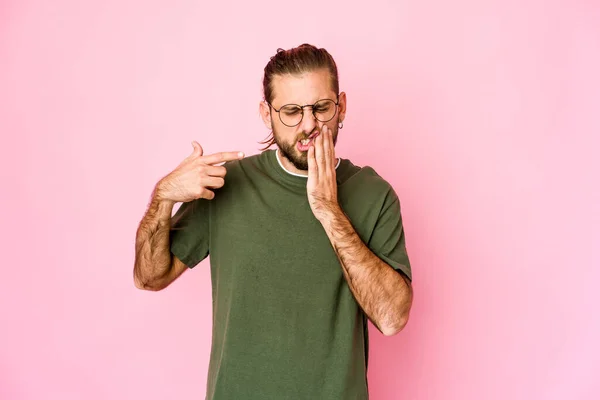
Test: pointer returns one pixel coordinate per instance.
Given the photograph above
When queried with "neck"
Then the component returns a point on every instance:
(288, 166)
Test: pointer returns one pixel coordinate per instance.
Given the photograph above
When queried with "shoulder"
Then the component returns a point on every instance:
(365, 179)
(246, 165)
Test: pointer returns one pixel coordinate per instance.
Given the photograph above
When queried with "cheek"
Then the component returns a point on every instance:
(284, 133)
(332, 126)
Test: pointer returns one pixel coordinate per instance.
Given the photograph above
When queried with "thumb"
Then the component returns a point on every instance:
(197, 149)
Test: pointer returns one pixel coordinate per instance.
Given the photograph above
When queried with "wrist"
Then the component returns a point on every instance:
(160, 195)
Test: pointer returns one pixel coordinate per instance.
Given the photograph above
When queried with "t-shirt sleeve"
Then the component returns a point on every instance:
(189, 234)
(388, 240)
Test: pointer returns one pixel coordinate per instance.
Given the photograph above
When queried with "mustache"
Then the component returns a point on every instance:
(306, 136)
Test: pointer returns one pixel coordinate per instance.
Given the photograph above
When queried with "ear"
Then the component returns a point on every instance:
(265, 114)
(342, 106)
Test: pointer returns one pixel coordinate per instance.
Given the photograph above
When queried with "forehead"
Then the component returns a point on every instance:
(302, 89)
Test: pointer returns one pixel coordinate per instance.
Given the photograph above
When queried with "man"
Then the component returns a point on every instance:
(304, 246)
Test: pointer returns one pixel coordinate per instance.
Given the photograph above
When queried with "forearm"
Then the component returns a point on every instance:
(383, 293)
(152, 252)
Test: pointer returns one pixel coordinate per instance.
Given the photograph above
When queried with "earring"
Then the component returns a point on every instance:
(341, 124)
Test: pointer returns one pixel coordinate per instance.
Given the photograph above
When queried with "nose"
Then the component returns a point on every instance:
(309, 122)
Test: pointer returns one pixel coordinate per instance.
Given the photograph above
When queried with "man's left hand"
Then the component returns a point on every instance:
(322, 186)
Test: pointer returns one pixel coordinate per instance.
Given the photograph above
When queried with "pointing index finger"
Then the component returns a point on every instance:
(222, 157)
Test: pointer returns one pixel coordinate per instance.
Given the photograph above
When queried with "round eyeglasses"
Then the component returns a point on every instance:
(291, 114)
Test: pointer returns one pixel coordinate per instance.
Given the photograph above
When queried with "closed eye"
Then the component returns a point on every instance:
(294, 111)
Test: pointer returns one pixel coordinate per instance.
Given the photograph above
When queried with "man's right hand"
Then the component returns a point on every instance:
(195, 176)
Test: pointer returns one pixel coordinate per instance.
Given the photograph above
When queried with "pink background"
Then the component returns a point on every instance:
(484, 115)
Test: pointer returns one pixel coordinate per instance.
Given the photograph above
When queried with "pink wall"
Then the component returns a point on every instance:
(483, 115)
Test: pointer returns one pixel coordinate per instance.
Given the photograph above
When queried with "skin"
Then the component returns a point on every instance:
(384, 294)
(307, 88)
(155, 267)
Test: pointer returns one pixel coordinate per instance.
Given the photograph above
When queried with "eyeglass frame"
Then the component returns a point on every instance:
(302, 109)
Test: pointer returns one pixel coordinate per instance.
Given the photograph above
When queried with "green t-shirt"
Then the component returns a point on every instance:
(285, 324)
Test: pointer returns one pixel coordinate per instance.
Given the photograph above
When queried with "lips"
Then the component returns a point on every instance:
(312, 136)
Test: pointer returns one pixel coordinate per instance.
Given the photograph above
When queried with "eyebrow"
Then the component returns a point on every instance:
(310, 104)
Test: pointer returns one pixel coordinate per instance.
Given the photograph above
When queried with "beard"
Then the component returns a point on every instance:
(289, 150)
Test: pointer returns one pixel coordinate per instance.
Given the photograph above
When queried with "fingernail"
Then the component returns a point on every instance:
(241, 154)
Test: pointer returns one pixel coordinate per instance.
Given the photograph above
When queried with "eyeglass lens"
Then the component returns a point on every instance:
(323, 110)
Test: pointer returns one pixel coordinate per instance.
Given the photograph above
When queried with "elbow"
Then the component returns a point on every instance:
(137, 281)
(145, 284)
(139, 284)
(399, 318)
(390, 331)
(395, 327)
(396, 321)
